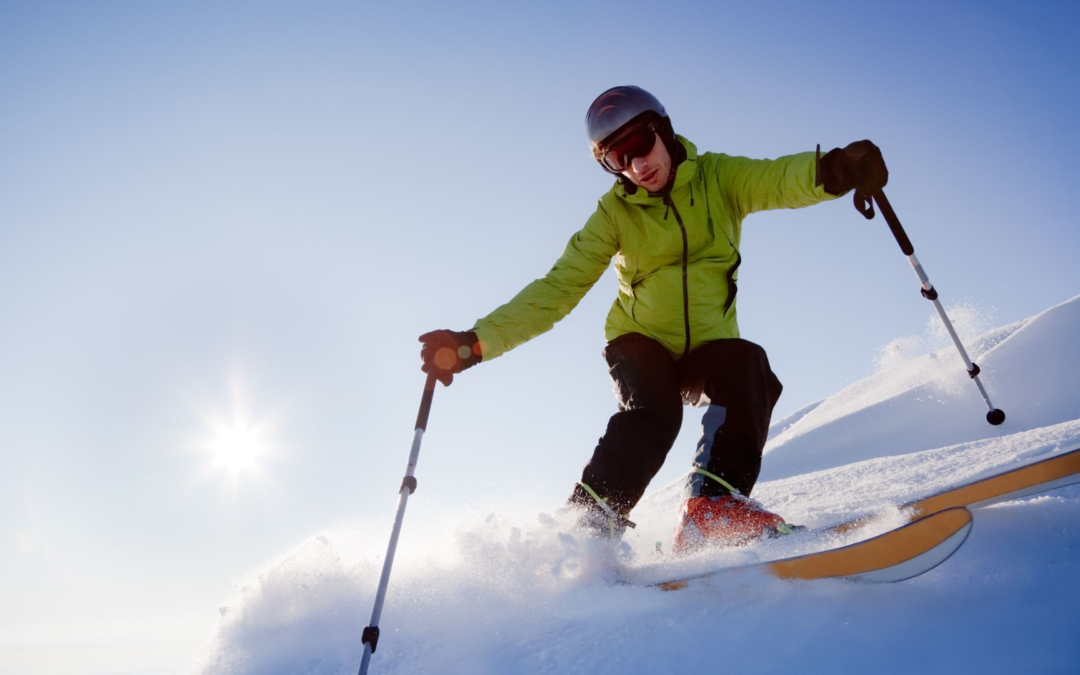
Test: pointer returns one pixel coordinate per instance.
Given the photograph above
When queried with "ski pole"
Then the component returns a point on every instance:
(864, 205)
(408, 486)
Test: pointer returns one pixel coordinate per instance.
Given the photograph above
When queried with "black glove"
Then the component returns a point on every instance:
(448, 352)
(858, 167)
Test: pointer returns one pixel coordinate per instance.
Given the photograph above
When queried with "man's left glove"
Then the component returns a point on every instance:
(858, 167)
(446, 353)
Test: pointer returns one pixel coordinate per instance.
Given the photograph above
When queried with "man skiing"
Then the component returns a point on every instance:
(673, 224)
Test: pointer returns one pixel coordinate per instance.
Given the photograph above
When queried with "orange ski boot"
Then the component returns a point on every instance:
(728, 520)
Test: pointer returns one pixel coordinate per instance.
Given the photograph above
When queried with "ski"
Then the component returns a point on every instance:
(1041, 476)
(903, 553)
(926, 540)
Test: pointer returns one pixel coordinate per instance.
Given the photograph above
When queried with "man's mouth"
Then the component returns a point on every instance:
(649, 177)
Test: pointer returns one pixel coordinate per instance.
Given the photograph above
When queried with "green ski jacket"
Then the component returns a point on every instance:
(676, 256)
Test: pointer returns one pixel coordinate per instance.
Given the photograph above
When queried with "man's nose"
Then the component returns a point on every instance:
(639, 164)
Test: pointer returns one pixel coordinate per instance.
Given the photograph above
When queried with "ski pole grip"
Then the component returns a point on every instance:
(894, 223)
(425, 403)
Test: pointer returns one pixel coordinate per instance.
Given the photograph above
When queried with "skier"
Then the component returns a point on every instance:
(673, 223)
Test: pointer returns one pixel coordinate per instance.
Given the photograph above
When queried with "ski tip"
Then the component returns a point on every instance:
(898, 554)
(956, 523)
(943, 524)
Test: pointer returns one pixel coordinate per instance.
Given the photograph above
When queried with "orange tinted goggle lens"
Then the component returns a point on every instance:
(637, 143)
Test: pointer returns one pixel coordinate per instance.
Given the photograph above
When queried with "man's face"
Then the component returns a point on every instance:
(651, 171)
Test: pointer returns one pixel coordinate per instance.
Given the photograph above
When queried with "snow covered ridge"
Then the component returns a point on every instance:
(1030, 368)
(521, 593)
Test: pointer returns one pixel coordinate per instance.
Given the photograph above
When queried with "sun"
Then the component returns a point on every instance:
(238, 445)
(237, 448)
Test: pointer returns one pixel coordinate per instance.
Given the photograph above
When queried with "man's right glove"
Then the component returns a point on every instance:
(858, 167)
(447, 352)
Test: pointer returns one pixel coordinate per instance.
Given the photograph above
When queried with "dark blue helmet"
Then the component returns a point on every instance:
(617, 107)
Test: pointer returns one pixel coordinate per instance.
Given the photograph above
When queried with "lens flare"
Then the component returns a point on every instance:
(237, 449)
(238, 443)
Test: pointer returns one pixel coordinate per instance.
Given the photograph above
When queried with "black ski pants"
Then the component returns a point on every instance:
(731, 376)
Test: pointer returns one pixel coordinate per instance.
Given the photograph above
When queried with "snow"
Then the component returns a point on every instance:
(496, 592)
(928, 402)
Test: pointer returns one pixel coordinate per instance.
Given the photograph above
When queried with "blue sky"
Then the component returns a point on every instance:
(243, 215)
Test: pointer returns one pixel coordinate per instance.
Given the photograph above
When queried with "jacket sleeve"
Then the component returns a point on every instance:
(547, 300)
(762, 184)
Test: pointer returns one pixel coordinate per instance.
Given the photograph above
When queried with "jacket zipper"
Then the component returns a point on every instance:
(685, 286)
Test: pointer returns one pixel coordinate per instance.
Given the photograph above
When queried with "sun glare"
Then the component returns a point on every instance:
(237, 448)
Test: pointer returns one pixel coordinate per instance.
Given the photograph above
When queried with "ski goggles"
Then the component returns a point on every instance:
(637, 142)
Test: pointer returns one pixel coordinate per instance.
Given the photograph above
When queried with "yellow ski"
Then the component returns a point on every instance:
(1046, 474)
(903, 553)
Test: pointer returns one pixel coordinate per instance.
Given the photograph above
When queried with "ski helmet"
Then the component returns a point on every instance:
(616, 107)
(619, 107)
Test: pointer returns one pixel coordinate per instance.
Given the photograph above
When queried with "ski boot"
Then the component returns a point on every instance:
(596, 515)
(727, 520)
(605, 554)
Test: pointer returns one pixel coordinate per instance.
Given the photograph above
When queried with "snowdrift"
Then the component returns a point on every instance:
(522, 593)
(1029, 368)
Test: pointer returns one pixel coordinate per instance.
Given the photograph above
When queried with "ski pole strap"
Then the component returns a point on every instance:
(727, 486)
(602, 503)
(864, 204)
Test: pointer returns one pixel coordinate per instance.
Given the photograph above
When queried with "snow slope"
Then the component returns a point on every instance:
(498, 592)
